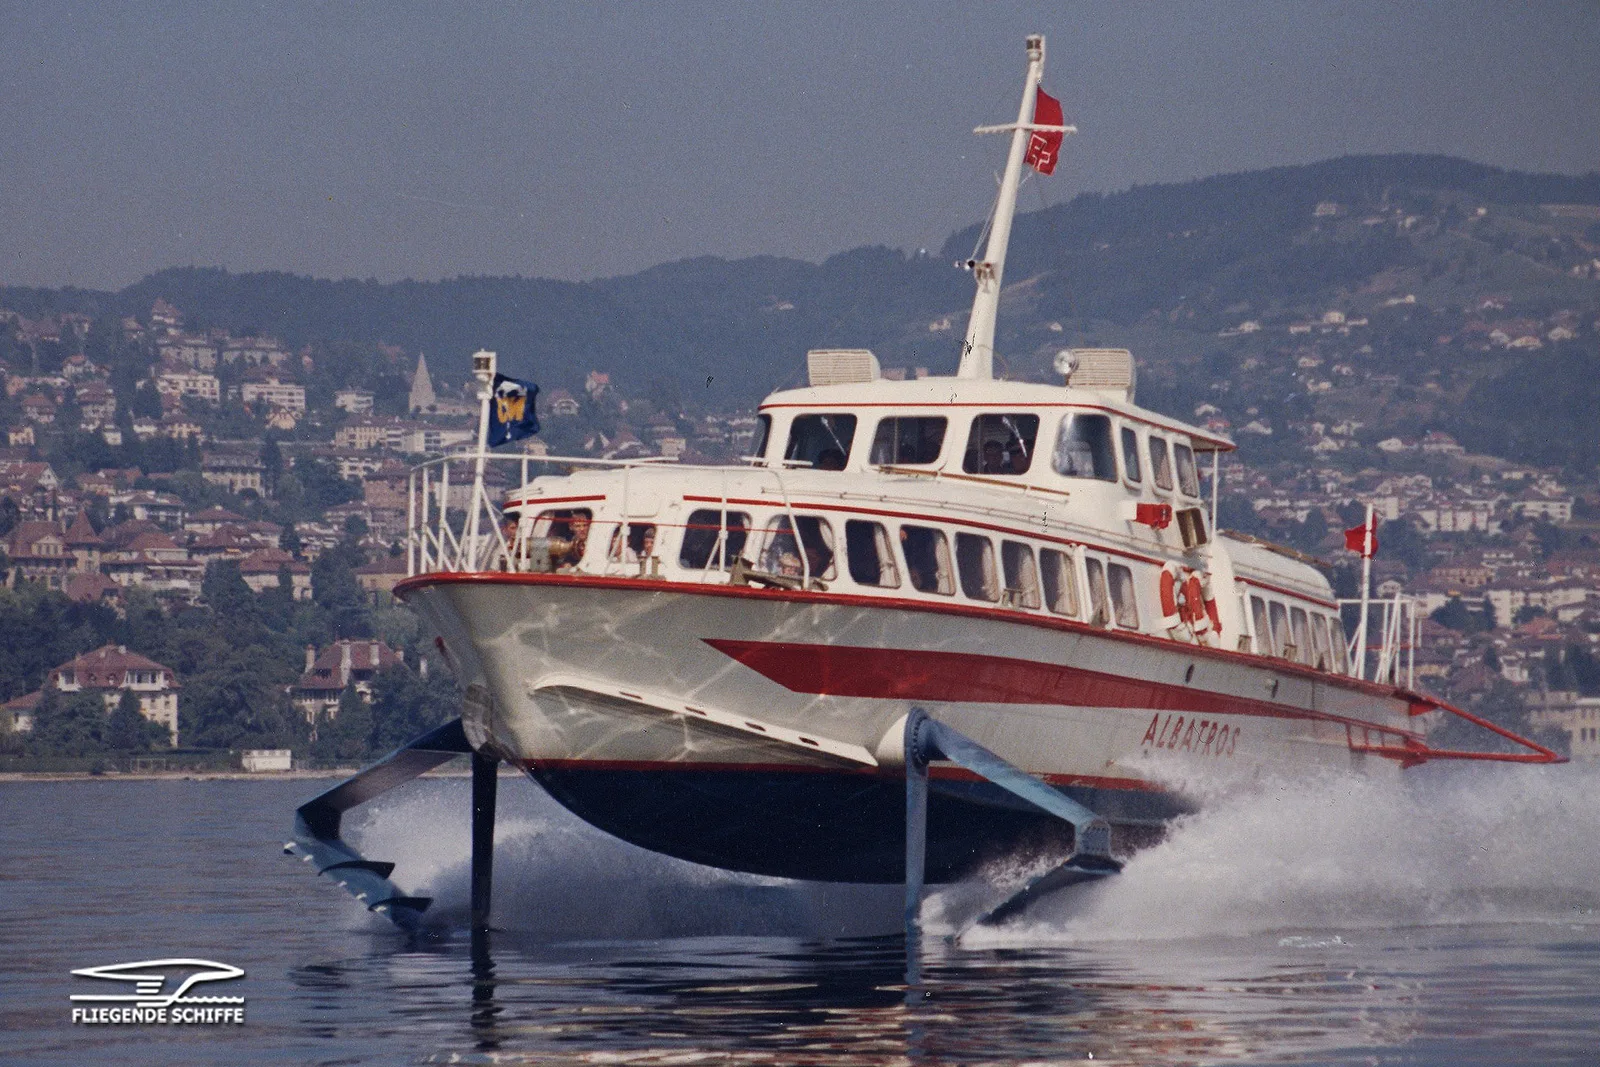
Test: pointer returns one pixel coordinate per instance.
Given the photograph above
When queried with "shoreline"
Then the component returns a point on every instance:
(211, 776)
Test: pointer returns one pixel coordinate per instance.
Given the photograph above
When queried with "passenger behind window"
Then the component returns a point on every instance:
(813, 437)
(1001, 444)
(1083, 447)
(927, 556)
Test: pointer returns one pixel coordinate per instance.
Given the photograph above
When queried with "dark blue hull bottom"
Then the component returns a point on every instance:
(831, 827)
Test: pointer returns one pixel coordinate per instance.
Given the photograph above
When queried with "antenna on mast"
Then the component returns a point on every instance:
(977, 352)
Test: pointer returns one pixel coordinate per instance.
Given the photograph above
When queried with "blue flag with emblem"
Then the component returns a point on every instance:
(511, 415)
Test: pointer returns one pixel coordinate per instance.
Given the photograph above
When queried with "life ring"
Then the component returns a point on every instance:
(1171, 618)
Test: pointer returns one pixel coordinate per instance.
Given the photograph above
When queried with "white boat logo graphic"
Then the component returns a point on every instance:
(150, 978)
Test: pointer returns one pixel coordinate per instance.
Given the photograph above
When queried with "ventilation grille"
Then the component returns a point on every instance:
(1108, 370)
(840, 366)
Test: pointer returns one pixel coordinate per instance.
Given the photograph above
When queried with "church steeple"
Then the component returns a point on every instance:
(422, 398)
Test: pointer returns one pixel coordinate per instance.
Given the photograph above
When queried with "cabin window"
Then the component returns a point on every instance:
(1263, 629)
(975, 565)
(927, 560)
(1188, 479)
(1099, 600)
(869, 555)
(702, 534)
(568, 531)
(1341, 647)
(1160, 463)
(1301, 629)
(763, 434)
(1130, 455)
(1321, 659)
(1282, 639)
(1001, 444)
(1124, 597)
(1021, 576)
(917, 440)
(821, 440)
(1060, 582)
(781, 555)
(1083, 447)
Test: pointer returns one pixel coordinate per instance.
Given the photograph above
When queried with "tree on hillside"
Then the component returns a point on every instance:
(72, 724)
(127, 730)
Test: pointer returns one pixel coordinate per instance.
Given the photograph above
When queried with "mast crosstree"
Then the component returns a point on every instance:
(977, 353)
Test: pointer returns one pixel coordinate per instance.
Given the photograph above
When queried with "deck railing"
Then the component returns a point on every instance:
(1390, 639)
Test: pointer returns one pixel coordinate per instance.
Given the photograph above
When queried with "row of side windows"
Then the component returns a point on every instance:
(1000, 444)
(800, 545)
(1293, 633)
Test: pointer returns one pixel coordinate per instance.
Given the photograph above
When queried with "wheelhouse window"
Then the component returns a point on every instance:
(781, 554)
(908, 440)
(1021, 575)
(1124, 596)
(927, 560)
(1001, 444)
(1160, 463)
(821, 440)
(1060, 582)
(869, 555)
(1131, 469)
(763, 435)
(1083, 447)
(975, 565)
(704, 532)
(1099, 599)
(1263, 628)
(1282, 638)
(1188, 477)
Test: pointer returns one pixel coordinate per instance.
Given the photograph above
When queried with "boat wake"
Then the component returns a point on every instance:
(1437, 846)
(1340, 852)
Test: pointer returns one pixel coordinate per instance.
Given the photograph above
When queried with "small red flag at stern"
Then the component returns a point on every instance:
(1363, 539)
(1044, 146)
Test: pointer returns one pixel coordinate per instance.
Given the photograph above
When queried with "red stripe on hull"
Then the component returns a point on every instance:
(912, 674)
(951, 774)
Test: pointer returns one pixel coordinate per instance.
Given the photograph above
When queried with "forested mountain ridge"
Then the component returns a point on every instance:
(1164, 269)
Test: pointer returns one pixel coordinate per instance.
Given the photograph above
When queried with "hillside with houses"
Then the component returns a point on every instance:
(1416, 334)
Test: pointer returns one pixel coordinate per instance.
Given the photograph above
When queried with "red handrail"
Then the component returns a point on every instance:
(1411, 752)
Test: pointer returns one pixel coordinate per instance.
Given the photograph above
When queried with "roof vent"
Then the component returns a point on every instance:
(841, 366)
(1105, 370)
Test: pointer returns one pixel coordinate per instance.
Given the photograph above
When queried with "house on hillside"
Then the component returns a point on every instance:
(109, 670)
(340, 666)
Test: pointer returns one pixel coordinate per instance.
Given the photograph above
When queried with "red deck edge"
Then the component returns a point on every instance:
(1413, 752)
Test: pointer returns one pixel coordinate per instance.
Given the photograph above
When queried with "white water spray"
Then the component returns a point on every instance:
(1451, 845)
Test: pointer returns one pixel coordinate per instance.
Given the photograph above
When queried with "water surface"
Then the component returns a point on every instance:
(1449, 919)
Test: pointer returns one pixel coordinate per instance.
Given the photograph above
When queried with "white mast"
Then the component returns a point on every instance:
(977, 354)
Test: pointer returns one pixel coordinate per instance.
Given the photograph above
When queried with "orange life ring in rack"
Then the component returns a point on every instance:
(1194, 605)
(1171, 618)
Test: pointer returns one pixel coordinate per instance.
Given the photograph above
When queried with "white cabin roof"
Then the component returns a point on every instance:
(932, 394)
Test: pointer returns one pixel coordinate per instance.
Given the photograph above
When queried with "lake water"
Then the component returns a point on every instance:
(1450, 919)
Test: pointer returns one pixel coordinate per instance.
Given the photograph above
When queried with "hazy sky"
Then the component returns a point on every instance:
(575, 139)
